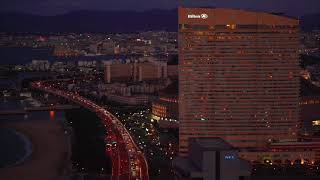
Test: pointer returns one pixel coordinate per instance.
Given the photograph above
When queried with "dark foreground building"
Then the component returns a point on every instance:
(211, 159)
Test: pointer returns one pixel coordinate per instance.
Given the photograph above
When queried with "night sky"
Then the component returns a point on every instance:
(51, 7)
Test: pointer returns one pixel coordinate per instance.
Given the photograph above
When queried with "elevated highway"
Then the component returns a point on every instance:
(128, 162)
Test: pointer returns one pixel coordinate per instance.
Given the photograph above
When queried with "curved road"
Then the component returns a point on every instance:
(128, 162)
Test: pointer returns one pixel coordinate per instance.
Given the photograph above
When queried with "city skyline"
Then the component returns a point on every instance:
(54, 7)
(213, 90)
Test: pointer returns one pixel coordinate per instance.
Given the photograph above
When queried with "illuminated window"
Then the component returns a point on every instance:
(316, 122)
(231, 26)
(203, 119)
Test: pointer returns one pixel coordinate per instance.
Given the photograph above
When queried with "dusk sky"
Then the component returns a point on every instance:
(51, 7)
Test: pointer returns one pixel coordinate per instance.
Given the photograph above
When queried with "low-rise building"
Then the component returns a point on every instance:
(39, 65)
(129, 100)
(211, 159)
(285, 152)
(165, 107)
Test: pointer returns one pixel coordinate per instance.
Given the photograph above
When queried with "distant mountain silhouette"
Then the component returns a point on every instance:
(91, 21)
(107, 21)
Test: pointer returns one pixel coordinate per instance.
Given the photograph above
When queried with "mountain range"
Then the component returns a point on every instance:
(107, 21)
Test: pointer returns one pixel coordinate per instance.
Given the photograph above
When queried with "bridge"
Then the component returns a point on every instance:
(26, 110)
(128, 162)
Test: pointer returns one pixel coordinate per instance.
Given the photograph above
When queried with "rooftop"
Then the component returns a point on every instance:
(211, 144)
(220, 16)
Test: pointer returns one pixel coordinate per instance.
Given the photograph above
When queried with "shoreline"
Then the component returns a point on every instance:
(28, 147)
(50, 152)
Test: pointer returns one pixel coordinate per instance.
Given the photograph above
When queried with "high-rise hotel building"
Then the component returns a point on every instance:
(238, 76)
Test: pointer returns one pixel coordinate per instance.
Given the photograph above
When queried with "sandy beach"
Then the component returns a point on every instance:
(49, 152)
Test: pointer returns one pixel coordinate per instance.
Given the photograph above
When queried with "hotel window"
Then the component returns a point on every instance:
(231, 26)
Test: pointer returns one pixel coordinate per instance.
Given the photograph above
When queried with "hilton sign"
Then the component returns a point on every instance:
(197, 16)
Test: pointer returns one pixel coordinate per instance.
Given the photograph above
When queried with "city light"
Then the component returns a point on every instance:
(136, 93)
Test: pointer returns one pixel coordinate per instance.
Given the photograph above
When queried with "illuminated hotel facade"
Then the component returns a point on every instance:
(238, 77)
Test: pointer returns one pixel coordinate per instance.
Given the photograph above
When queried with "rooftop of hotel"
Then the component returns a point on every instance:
(217, 16)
